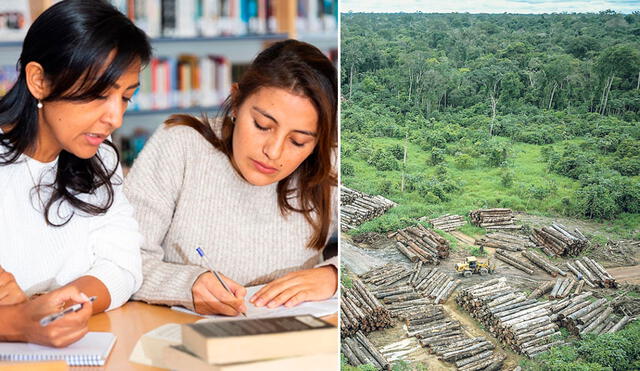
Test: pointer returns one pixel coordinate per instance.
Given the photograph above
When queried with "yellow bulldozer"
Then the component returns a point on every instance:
(471, 265)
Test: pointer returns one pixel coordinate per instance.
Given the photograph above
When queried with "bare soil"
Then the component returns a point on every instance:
(377, 250)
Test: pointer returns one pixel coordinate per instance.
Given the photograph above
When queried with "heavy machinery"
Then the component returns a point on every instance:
(472, 265)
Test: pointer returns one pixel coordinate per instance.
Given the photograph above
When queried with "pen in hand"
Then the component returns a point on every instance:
(215, 273)
(74, 308)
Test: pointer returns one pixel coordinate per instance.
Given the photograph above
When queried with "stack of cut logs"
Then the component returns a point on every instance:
(358, 350)
(436, 285)
(524, 324)
(445, 337)
(506, 241)
(357, 207)
(493, 218)
(360, 310)
(470, 354)
(582, 315)
(543, 264)
(592, 273)
(420, 243)
(562, 288)
(386, 276)
(514, 261)
(557, 240)
(448, 222)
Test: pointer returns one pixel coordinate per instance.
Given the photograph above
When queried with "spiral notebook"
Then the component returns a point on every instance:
(92, 350)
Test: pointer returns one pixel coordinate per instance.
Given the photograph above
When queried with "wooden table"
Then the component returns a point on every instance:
(133, 320)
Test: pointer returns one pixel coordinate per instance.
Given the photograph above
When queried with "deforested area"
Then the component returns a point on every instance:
(508, 149)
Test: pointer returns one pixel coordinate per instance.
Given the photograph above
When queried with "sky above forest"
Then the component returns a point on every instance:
(489, 6)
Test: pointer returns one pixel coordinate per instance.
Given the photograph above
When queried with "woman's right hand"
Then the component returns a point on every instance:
(210, 297)
(61, 332)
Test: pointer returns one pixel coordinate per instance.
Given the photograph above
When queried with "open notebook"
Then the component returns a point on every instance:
(92, 350)
(316, 308)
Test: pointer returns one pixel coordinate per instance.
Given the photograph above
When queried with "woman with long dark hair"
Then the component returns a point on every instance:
(254, 189)
(64, 219)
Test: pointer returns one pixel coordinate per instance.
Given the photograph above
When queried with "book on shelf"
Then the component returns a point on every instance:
(249, 340)
(183, 81)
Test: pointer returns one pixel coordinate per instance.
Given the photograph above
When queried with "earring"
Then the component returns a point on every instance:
(39, 105)
(233, 119)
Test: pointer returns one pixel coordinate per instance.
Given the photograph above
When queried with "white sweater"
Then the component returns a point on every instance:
(43, 258)
(186, 195)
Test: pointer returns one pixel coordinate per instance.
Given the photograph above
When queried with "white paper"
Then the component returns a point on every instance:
(316, 308)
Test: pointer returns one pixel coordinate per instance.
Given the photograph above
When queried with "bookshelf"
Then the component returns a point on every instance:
(184, 42)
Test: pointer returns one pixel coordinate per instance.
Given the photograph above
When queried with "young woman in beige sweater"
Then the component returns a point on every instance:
(254, 189)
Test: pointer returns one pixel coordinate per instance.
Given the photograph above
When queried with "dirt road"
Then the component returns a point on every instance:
(626, 274)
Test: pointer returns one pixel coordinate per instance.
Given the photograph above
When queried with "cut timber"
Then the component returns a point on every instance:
(513, 261)
(542, 263)
(448, 222)
(358, 207)
(493, 218)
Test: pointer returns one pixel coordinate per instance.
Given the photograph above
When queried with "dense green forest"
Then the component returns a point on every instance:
(539, 113)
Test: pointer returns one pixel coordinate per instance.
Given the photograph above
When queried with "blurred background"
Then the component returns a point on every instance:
(200, 47)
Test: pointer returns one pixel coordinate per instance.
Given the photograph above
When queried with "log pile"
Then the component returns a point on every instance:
(523, 324)
(387, 275)
(358, 207)
(543, 264)
(581, 315)
(592, 273)
(436, 285)
(514, 261)
(562, 288)
(506, 241)
(360, 310)
(556, 240)
(358, 350)
(470, 354)
(420, 243)
(448, 222)
(445, 337)
(493, 218)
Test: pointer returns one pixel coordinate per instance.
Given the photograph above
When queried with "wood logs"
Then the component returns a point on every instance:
(493, 218)
(557, 240)
(582, 314)
(448, 222)
(445, 337)
(360, 310)
(358, 207)
(386, 276)
(436, 285)
(360, 351)
(562, 288)
(506, 241)
(421, 244)
(592, 273)
(523, 324)
(514, 262)
(543, 263)
(541, 290)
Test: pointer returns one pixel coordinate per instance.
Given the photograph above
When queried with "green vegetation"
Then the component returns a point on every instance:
(617, 351)
(538, 113)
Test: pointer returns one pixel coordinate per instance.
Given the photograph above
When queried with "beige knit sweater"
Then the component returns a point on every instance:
(186, 195)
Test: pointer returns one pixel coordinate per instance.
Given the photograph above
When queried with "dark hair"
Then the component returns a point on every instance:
(71, 41)
(302, 69)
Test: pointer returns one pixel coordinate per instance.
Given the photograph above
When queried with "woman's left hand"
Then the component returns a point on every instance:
(10, 292)
(297, 287)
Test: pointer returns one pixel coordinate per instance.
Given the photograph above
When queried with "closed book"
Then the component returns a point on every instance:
(249, 340)
(177, 357)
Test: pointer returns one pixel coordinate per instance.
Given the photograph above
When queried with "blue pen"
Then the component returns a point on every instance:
(215, 273)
